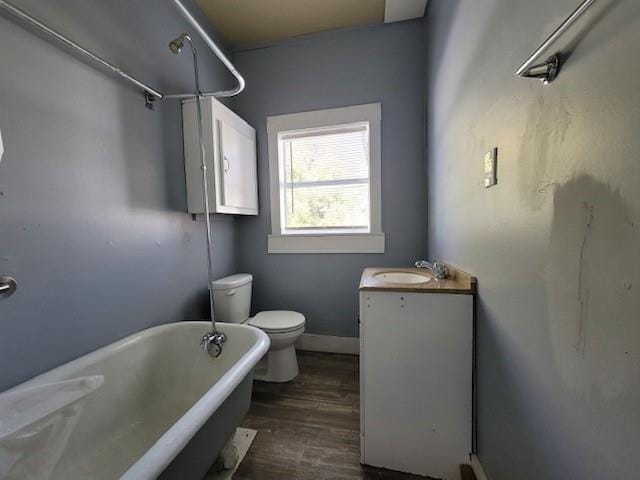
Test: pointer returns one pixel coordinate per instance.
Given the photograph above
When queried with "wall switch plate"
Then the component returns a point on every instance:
(490, 168)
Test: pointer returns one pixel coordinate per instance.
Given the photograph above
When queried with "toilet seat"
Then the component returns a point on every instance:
(278, 321)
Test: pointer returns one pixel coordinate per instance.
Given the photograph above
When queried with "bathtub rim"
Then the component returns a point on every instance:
(172, 441)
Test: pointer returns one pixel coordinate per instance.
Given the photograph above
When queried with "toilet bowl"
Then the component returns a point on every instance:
(283, 328)
(232, 304)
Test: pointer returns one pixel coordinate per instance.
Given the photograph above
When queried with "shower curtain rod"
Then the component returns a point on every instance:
(150, 92)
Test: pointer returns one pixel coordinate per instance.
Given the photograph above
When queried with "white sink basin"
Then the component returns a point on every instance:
(402, 277)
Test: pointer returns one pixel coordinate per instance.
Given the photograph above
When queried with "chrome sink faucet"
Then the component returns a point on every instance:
(439, 270)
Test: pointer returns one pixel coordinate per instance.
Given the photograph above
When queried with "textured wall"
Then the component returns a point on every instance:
(380, 64)
(92, 199)
(555, 243)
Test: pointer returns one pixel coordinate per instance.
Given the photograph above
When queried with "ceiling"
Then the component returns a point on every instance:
(254, 22)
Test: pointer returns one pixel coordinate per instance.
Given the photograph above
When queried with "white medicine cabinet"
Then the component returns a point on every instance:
(230, 152)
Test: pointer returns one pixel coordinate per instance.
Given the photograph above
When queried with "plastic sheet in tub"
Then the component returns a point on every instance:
(36, 423)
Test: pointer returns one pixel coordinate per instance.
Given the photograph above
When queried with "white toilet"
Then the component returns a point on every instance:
(232, 304)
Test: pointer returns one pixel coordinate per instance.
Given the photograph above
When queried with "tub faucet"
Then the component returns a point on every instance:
(439, 270)
(212, 343)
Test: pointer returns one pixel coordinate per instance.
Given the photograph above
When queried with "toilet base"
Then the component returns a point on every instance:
(278, 366)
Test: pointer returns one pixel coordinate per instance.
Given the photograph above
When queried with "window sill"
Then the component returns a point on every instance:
(349, 243)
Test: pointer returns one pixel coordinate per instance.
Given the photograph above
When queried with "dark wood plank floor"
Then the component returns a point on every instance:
(309, 428)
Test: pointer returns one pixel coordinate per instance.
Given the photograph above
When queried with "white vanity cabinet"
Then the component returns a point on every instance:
(230, 152)
(416, 356)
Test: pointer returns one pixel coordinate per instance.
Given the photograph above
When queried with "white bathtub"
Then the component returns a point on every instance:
(165, 408)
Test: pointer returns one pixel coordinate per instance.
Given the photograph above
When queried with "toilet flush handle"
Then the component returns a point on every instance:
(230, 293)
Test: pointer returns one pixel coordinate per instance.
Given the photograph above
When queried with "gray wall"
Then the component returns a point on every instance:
(555, 243)
(378, 64)
(92, 199)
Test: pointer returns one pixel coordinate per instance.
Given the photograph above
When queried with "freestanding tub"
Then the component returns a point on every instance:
(165, 408)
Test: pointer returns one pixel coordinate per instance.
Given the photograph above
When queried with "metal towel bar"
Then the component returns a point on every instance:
(150, 92)
(547, 71)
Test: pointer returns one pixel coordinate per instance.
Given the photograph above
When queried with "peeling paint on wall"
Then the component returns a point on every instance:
(544, 134)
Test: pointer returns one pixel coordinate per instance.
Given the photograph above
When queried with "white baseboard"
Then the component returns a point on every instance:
(478, 471)
(329, 344)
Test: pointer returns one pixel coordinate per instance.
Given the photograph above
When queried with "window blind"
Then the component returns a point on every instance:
(326, 179)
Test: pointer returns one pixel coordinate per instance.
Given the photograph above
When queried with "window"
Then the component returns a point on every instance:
(325, 181)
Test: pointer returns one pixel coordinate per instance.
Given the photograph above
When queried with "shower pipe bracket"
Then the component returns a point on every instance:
(548, 70)
(150, 94)
(148, 100)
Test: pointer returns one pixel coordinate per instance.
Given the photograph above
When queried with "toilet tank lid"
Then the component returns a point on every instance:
(232, 281)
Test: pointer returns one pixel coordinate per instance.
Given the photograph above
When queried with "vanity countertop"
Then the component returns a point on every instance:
(458, 282)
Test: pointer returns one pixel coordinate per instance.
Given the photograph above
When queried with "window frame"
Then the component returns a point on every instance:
(330, 242)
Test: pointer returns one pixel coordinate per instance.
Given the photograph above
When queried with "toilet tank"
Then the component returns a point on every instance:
(232, 298)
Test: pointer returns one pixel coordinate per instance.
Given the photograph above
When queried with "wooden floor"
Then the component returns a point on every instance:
(309, 428)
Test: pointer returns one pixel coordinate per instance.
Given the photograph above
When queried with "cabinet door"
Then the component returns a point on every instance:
(230, 151)
(238, 168)
(416, 363)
